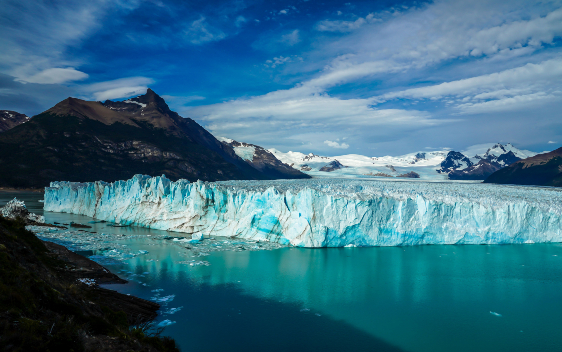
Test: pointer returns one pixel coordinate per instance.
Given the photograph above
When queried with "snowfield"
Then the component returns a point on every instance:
(425, 163)
(323, 212)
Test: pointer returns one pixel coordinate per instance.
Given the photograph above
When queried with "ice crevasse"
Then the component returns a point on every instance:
(322, 213)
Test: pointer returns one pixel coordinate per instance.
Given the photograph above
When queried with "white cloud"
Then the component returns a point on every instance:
(344, 26)
(117, 93)
(297, 116)
(526, 75)
(336, 144)
(511, 89)
(281, 60)
(119, 88)
(55, 76)
(35, 34)
(284, 12)
(506, 104)
(291, 38)
(551, 142)
(201, 32)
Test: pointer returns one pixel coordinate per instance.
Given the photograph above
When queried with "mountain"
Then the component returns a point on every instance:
(332, 166)
(542, 169)
(423, 163)
(79, 140)
(263, 160)
(476, 163)
(10, 119)
(495, 158)
(454, 161)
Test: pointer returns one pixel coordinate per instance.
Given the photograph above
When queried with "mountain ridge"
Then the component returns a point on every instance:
(78, 140)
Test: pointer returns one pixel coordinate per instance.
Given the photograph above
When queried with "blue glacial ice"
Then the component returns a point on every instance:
(322, 212)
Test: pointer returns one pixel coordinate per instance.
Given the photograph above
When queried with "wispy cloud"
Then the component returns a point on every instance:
(344, 26)
(200, 32)
(35, 34)
(119, 88)
(291, 38)
(55, 76)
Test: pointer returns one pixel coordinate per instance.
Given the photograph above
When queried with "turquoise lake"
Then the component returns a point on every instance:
(419, 299)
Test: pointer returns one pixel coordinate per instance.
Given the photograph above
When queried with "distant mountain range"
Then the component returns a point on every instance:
(79, 140)
(443, 164)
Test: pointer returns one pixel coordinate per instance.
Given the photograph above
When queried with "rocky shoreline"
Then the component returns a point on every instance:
(50, 298)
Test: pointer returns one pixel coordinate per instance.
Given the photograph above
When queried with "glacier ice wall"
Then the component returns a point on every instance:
(323, 213)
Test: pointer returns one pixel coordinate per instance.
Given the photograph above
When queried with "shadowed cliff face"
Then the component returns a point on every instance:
(80, 140)
(542, 169)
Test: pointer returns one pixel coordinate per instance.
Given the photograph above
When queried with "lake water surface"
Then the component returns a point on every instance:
(425, 298)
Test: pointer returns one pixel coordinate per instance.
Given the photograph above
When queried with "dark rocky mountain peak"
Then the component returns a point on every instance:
(10, 119)
(453, 161)
(78, 140)
(332, 166)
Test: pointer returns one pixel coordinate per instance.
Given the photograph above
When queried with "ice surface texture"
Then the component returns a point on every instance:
(323, 213)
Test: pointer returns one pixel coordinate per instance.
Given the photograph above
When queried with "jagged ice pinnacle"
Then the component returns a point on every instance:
(322, 212)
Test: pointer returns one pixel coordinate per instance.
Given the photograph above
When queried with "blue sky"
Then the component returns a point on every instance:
(329, 77)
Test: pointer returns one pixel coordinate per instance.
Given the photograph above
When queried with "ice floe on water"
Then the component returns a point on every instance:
(320, 213)
(107, 247)
(165, 322)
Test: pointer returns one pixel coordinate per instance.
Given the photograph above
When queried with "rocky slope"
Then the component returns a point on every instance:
(263, 160)
(10, 119)
(542, 169)
(81, 140)
(49, 301)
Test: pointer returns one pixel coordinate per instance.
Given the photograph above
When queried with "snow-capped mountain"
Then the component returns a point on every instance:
(10, 119)
(454, 161)
(476, 163)
(262, 160)
(495, 158)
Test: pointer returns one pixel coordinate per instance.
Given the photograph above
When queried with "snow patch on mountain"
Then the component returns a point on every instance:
(135, 102)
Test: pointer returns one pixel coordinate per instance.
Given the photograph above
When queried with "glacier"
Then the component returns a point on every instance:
(322, 212)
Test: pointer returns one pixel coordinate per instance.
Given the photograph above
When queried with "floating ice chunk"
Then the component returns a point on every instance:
(172, 310)
(164, 299)
(197, 236)
(165, 323)
(496, 314)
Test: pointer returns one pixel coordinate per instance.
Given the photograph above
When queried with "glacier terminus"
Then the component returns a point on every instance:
(322, 212)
